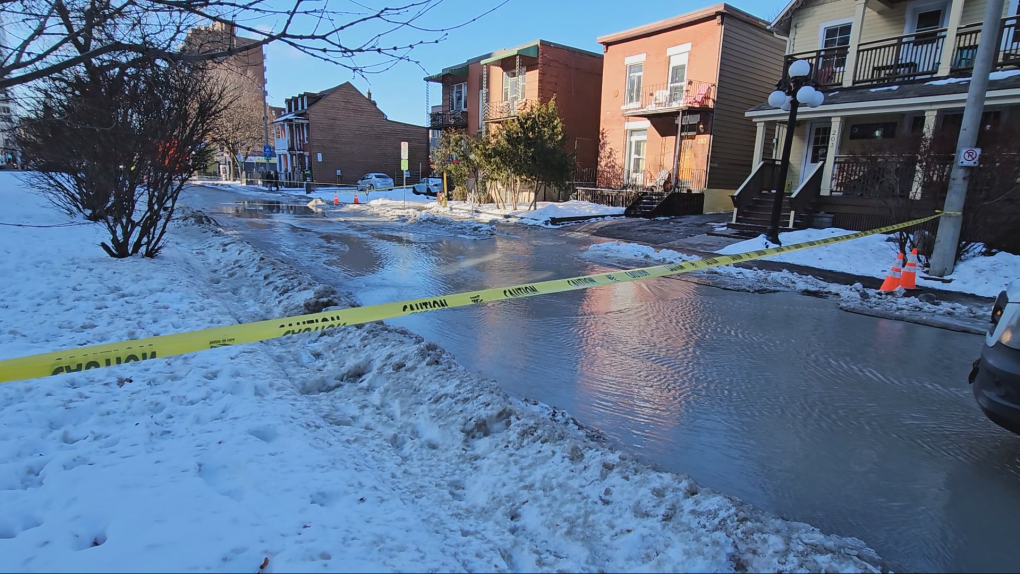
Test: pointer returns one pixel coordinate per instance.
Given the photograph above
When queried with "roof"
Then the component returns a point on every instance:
(682, 20)
(530, 49)
(781, 24)
(940, 87)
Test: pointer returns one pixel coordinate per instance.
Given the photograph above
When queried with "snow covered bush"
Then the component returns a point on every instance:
(117, 146)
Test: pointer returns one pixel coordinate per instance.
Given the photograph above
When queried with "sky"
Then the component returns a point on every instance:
(400, 91)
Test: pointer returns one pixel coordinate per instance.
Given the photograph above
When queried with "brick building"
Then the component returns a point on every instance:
(674, 94)
(340, 134)
(494, 87)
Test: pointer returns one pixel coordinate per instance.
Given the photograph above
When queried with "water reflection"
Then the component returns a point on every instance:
(262, 209)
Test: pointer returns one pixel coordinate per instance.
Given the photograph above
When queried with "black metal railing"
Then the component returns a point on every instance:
(806, 194)
(901, 58)
(448, 119)
(891, 176)
(672, 97)
(496, 111)
(763, 178)
(968, 37)
(607, 197)
(827, 65)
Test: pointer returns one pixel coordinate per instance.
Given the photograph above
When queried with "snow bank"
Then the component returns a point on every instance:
(873, 256)
(1000, 75)
(350, 450)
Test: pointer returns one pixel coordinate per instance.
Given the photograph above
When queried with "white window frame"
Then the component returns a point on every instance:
(808, 144)
(676, 50)
(629, 155)
(674, 97)
(833, 24)
(626, 84)
(462, 86)
(918, 6)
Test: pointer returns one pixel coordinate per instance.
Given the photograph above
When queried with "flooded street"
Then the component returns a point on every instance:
(860, 426)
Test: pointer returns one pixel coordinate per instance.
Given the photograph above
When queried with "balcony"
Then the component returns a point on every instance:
(827, 66)
(450, 119)
(499, 111)
(967, 38)
(910, 57)
(900, 58)
(659, 99)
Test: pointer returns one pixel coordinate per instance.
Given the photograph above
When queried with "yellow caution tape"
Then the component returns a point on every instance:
(110, 354)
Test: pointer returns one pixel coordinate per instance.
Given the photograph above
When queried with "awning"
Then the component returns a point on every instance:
(530, 50)
(459, 70)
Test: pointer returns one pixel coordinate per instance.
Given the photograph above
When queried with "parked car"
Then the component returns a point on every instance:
(431, 186)
(374, 181)
(995, 378)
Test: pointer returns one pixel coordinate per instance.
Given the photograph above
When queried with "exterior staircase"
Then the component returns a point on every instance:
(645, 204)
(755, 216)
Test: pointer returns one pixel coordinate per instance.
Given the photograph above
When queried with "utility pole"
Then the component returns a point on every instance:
(943, 257)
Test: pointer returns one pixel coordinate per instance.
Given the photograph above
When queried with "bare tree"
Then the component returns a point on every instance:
(46, 37)
(118, 146)
(610, 172)
(239, 130)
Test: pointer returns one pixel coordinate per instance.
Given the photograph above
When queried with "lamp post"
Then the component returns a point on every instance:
(792, 91)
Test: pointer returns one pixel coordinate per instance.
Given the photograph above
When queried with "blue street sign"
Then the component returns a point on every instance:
(267, 150)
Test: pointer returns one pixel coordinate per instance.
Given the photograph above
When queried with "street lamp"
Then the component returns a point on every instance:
(793, 91)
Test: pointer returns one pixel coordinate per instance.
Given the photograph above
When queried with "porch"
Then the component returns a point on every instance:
(864, 169)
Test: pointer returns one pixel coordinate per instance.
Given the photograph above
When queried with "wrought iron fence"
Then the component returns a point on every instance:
(448, 119)
(900, 58)
(495, 111)
(668, 97)
(607, 197)
(827, 65)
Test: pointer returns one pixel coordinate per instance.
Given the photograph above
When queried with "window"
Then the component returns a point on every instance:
(819, 144)
(953, 122)
(513, 87)
(677, 77)
(917, 125)
(930, 20)
(875, 131)
(458, 97)
(635, 166)
(835, 37)
(634, 73)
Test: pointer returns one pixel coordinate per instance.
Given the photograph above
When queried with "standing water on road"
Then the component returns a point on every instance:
(863, 427)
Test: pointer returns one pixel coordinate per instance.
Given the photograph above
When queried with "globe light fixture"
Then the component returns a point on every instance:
(777, 98)
(800, 68)
(806, 95)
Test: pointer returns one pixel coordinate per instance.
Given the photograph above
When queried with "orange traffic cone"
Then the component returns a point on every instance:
(909, 279)
(355, 198)
(892, 280)
(336, 198)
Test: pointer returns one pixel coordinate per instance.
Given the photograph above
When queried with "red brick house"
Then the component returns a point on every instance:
(338, 135)
(674, 94)
(491, 88)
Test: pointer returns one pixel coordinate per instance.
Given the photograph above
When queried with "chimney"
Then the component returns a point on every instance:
(369, 96)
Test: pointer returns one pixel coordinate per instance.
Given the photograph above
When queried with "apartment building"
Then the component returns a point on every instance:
(483, 91)
(338, 135)
(674, 93)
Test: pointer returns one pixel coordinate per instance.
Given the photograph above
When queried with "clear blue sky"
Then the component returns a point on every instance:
(400, 92)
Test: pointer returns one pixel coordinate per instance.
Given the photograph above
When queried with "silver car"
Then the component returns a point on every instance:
(373, 181)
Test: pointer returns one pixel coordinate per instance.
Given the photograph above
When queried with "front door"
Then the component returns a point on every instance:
(817, 147)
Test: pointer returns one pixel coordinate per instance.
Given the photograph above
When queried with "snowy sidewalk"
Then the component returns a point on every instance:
(359, 449)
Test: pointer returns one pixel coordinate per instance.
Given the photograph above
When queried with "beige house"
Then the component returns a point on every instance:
(889, 69)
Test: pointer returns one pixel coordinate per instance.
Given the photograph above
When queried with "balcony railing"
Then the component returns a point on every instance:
(664, 98)
(827, 65)
(448, 119)
(900, 58)
(891, 176)
(967, 38)
(498, 111)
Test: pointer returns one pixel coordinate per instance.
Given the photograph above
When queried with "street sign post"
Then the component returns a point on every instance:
(403, 167)
(403, 150)
(267, 151)
(969, 156)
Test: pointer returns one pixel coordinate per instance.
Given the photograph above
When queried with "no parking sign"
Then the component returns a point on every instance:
(969, 156)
